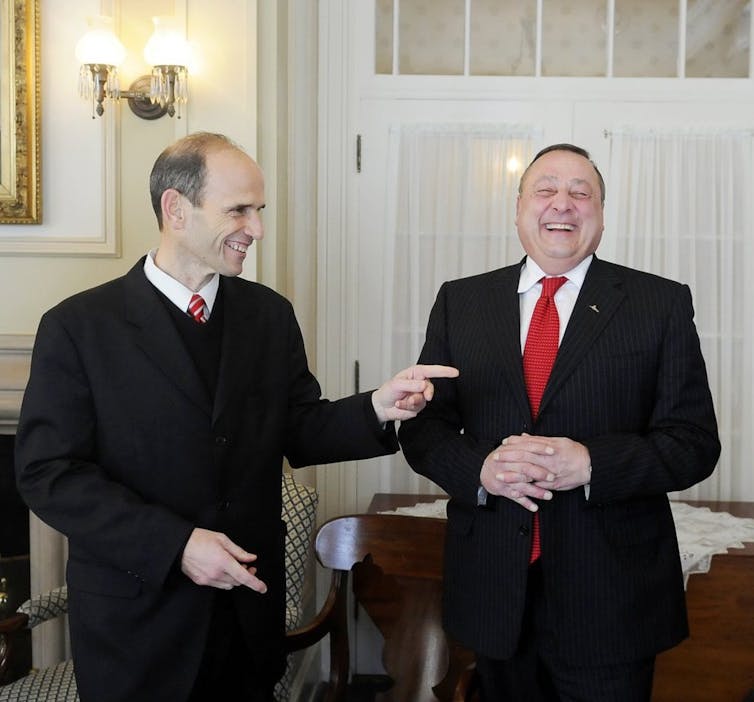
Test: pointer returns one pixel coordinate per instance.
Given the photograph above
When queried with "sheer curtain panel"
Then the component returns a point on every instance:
(451, 207)
(679, 204)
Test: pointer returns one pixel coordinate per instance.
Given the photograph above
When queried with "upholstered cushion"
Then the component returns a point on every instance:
(47, 606)
(299, 512)
(55, 684)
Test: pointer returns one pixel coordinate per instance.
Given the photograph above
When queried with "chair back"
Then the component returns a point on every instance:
(396, 562)
(403, 546)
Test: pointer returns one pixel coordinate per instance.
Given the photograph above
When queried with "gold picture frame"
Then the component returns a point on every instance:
(20, 163)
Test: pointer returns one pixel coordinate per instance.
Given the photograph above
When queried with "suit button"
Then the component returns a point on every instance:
(220, 441)
(523, 530)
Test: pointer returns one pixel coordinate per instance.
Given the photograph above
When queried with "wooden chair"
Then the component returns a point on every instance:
(57, 683)
(396, 563)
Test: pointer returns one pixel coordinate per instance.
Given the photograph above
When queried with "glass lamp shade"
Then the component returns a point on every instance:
(100, 45)
(167, 45)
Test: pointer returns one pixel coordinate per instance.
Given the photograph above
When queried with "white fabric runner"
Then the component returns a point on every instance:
(701, 532)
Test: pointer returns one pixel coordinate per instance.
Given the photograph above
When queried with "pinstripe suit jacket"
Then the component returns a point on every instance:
(629, 382)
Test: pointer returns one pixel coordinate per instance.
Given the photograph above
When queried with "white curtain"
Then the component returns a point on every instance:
(680, 205)
(450, 213)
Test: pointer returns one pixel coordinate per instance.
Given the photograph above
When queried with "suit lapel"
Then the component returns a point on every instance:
(599, 298)
(156, 335)
(501, 320)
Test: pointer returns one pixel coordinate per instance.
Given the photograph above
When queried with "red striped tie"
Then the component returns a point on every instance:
(198, 309)
(539, 357)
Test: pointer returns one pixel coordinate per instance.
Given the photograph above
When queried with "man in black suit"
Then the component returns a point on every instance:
(155, 444)
(626, 416)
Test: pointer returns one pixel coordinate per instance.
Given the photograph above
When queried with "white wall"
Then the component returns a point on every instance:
(222, 98)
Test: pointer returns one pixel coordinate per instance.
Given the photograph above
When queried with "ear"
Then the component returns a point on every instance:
(173, 206)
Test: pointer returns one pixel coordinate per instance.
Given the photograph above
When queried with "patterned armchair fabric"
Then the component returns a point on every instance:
(57, 684)
(299, 512)
(45, 607)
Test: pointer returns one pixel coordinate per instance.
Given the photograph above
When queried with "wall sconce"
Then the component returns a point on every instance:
(100, 53)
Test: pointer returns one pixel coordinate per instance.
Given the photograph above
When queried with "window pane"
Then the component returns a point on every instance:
(431, 36)
(383, 23)
(717, 39)
(573, 38)
(646, 38)
(503, 37)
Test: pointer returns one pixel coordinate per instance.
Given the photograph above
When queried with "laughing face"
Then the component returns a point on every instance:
(559, 211)
(215, 235)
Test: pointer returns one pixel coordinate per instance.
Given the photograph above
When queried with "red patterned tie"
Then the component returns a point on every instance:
(197, 309)
(539, 357)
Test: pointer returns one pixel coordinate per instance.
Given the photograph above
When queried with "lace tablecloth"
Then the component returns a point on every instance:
(701, 532)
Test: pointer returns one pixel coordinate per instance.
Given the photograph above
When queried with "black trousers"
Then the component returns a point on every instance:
(534, 674)
(227, 670)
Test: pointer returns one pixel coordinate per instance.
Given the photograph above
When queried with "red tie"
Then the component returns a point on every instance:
(539, 357)
(197, 309)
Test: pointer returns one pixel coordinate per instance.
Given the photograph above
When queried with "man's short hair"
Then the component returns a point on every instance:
(182, 166)
(573, 149)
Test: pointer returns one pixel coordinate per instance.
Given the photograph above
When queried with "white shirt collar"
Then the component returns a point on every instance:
(531, 273)
(177, 292)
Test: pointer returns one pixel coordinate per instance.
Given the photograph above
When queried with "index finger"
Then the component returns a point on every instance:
(243, 577)
(435, 371)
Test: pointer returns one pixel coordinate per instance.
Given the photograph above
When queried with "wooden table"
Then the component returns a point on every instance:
(716, 664)
(717, 661)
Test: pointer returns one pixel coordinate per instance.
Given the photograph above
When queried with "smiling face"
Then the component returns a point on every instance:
(214, 235)
(559, 212)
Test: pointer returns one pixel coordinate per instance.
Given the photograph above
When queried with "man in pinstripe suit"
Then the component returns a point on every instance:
(626, 416)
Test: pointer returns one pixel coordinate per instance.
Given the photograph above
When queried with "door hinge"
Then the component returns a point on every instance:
(358, 153)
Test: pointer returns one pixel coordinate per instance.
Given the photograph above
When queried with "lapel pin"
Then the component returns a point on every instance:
(594, 308)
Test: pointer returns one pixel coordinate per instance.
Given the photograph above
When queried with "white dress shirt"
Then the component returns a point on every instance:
(529, 290)
(177, 292)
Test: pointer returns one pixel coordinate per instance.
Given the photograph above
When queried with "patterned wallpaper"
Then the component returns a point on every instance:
(503, 34)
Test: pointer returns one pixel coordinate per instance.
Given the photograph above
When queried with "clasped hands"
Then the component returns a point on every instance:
(526, 468)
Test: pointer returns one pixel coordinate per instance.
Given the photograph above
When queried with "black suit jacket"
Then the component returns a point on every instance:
(630, 383)
(120, 448)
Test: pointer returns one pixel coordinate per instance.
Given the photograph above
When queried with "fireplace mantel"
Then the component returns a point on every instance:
(15, 361)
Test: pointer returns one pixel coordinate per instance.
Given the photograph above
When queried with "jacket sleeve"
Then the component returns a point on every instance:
(679, 446)
(58, 473)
